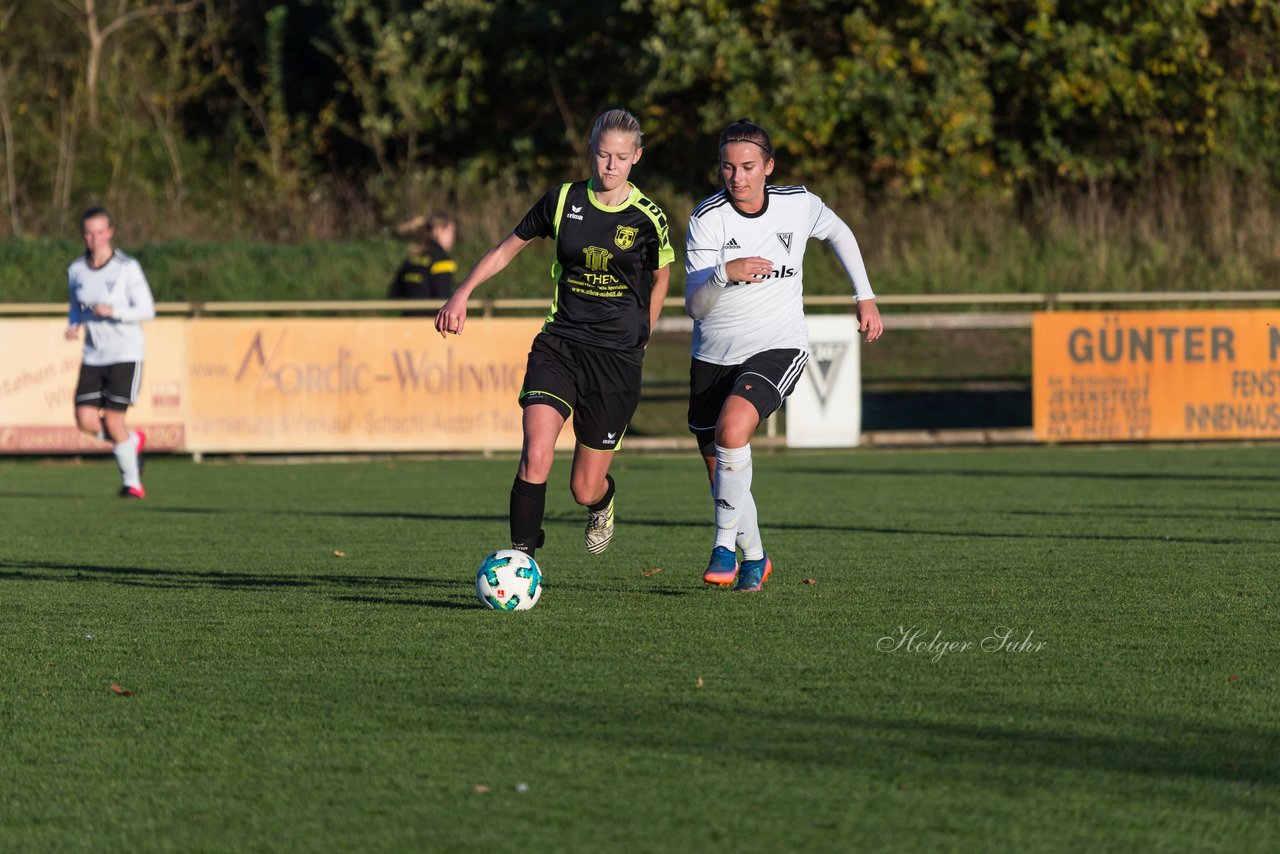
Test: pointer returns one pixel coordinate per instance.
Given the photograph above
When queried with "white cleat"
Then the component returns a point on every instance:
(599, 529)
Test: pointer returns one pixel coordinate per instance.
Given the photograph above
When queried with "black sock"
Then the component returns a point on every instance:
(528, 505)
(608, 495)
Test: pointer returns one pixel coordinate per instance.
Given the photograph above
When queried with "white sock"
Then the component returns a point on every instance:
(127, 460)
(749, 531)
(732, 491)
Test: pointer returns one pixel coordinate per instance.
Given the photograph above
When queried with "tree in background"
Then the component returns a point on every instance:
(313, 118)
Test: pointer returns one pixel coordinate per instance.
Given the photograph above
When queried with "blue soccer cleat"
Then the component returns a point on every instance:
(722, 568)
(754, 574)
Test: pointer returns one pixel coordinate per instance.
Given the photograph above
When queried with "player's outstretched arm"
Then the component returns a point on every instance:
(452, 316)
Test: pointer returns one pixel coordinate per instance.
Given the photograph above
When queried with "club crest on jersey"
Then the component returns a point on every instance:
(625, 237)
(784, 237)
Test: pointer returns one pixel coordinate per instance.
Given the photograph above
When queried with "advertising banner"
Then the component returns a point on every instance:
(825, 410)
(38, 373)
(344, 384)
(1108, 376)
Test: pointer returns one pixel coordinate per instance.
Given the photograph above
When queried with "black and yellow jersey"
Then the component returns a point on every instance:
(605, 258)
(425, 274)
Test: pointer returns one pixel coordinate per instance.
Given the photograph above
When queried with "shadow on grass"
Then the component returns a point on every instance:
(785, 526)
(1080, 741)
(359, 589)
(1061, 474)
(191, 579)
(416, 603)
(343, 514)
(64, 495)
(1151, 514)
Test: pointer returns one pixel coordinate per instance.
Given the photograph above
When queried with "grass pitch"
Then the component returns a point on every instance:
(1039, 649)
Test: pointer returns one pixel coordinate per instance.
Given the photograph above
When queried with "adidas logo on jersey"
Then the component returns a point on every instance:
(732, 244)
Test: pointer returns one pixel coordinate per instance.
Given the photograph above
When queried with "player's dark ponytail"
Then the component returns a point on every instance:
(745, 130)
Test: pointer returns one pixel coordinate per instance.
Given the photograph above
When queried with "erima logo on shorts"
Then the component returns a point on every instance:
(610, 439)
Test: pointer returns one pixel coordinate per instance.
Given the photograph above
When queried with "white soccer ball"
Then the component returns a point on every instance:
(508, 580)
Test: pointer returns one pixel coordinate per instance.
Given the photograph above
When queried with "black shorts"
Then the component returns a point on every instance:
(599, 387)
(109, 386)
(764, 380)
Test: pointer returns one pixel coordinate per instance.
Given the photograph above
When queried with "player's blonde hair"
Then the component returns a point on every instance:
(615, 120)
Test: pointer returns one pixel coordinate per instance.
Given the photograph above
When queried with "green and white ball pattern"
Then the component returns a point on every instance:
(508, 580)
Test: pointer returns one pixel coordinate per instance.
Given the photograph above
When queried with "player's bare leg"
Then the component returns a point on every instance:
(89, 420)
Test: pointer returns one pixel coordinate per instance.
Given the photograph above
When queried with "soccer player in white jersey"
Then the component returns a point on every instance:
(743, 288)
(110, 297)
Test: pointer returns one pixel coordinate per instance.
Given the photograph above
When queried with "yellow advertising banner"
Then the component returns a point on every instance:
(348, 384)
(38, 373)
(1106, 376)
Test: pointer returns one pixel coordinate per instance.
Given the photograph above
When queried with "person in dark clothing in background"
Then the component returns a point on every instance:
(428, 271)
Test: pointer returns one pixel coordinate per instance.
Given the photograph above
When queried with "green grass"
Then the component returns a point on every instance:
(285, 698)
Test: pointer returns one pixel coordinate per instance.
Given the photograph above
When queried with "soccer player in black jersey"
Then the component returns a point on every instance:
(611, 269)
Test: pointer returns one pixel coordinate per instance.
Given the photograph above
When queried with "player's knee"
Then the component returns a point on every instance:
(738, 421)
(88, 420)
(535, 463)
(733, 433)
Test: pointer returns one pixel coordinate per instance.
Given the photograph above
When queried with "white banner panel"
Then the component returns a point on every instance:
(825, 410)
(39, 369)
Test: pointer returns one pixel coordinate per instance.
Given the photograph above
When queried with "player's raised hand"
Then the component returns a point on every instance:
(753, 269)
(452, 316)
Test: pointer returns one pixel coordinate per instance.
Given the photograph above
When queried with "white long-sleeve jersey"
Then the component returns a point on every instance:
(736, 320)
(121, 284)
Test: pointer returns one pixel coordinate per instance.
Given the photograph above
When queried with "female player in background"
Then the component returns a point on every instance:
(109, 300)
(744, 290)
(612, 266)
